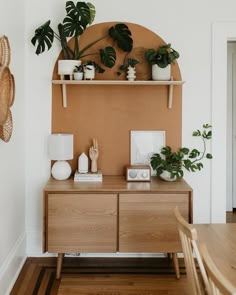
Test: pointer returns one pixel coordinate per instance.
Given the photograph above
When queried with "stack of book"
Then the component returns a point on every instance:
(88, 177)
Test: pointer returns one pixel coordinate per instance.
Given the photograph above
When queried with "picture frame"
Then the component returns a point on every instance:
(145, 143)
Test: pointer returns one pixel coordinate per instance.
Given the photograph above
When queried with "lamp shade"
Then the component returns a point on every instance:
(60, 146)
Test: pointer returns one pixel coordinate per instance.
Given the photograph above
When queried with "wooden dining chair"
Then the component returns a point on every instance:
(198, 281)
(218, 284)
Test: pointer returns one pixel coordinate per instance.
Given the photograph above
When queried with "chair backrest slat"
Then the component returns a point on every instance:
(218, 283)
(188, 236)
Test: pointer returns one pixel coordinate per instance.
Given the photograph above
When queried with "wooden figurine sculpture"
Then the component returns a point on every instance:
(93, 154)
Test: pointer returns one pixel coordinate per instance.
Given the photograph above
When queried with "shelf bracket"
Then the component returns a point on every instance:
(64, 95)
(170, 97)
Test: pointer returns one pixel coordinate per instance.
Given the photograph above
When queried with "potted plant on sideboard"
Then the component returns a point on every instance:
(78, 17)
(161, 60)
(170, 165)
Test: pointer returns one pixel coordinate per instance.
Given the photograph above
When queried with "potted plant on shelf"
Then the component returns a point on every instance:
(129, 67)
(78, 72)
(89, 70)
(161, 60)
(78, 17)
(170, 165)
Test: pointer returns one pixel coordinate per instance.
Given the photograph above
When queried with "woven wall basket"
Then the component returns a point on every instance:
(7, 90)
(6, 128)
(5, 52)
(6, 93)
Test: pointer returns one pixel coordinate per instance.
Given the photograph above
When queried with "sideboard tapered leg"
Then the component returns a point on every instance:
(59, 265)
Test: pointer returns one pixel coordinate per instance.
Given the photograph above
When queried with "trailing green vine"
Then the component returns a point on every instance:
(183, 158)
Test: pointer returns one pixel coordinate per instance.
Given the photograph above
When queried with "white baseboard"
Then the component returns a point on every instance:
(12, 265)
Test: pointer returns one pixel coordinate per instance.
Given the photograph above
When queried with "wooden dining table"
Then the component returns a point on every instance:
(220, 240)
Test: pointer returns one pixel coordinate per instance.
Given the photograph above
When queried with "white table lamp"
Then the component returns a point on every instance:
(60, 148)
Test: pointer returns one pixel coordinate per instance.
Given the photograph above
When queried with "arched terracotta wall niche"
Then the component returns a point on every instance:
(108, 113)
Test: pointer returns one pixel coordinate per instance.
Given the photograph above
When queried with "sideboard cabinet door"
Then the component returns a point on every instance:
(147, 222)
(81, 223)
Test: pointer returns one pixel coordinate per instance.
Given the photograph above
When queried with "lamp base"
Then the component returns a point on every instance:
(61, 170)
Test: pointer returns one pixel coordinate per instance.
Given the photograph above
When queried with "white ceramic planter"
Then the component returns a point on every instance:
(89, 72)
(161, 74)
(66, 67)
(78, 75)
(166, 176)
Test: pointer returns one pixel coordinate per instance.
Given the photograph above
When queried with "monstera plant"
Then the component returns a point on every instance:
(78, 17)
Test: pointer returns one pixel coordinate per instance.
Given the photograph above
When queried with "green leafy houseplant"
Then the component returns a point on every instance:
(176, 162)
(78, 69)
(163, 56)
(78, 17)
(96, 66)
(132, 62)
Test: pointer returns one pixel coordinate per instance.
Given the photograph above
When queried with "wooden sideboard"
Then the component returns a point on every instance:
(114, 216)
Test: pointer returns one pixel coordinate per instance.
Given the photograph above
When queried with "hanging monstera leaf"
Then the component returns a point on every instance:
(43, 38)
(108, 56)
(122, 35)
(77, 19)
(92, 12)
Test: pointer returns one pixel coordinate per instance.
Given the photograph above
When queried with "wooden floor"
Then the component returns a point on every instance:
(101, 276)
(231, 216)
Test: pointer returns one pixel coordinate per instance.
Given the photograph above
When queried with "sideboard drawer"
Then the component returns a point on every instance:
(81, 223)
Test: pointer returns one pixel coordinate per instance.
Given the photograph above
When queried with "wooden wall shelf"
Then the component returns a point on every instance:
(170, 84)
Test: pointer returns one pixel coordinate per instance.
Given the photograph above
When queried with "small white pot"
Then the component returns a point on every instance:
(78, 75)
(167, 176)
(66, 67)
(161, 74)
(89, 72)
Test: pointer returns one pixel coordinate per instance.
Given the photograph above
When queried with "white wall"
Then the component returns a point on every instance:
(12, 154)
(186, 24)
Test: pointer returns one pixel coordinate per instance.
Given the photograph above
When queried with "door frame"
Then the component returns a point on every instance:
(222, 32)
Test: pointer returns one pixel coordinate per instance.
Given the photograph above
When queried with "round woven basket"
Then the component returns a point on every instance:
(6, 93)
(12, 89)
(5, 52)
(6, 128)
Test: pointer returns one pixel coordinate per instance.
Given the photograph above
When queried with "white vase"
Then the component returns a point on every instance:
(167, 176)
(161, 74)
(131, 73)
(67, 66)
(78, 75)
(89, 72)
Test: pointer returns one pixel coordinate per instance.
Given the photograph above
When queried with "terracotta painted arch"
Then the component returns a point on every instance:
(109, 113)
